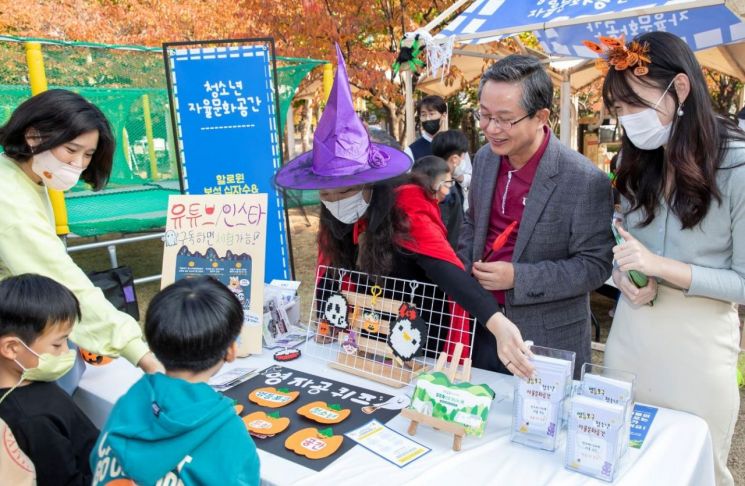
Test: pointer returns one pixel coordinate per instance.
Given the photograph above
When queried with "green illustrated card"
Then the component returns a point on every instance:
(461, 403)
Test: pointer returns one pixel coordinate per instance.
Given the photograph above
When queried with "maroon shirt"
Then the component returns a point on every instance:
(510, 196)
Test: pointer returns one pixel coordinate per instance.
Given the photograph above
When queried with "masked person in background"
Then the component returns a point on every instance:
(51, 140)
(36, 316)
(452, 146)
(379, 224)
(432, 112)
(681, 175)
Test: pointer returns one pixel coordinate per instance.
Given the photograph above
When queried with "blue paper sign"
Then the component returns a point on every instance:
(225, 112)
(641, 421)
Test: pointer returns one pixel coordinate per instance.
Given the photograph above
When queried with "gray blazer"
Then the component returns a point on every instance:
(563, 250)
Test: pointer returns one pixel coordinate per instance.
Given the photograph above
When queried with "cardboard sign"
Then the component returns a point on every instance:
(223, 237)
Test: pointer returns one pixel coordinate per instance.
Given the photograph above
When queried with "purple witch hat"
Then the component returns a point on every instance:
(342, 154)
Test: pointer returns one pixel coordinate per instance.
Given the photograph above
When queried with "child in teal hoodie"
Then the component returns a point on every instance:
(173, 428)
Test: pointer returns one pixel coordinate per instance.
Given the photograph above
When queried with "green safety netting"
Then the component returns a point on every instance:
(126, 82)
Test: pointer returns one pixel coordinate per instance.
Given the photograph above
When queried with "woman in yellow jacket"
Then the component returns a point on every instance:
(50, 141)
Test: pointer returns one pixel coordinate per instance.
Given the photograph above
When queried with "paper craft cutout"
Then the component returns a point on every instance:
(271, 397)
(371, 321)
(313, 443)
(263, 425)
(335, 311)
(408, 334)
(238, 408)
(324, 413)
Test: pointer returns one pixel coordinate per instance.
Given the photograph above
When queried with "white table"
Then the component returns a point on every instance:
(677, 449)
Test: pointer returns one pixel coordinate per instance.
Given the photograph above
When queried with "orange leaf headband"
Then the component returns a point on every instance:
(614, 53)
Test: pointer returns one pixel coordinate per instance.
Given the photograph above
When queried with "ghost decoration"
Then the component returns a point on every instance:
(408, 333)
(170, 238)
(335, 311)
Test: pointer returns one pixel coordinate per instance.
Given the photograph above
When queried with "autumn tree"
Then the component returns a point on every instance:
(368, 32)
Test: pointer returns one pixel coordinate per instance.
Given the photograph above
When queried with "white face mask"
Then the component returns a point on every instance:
(53, 172)
(348, 210)
(644, 129)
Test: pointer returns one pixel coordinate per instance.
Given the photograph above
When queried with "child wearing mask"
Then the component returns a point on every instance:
(452, 146)
(37, 315)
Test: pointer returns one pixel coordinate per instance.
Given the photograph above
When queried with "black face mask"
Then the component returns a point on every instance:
(431, 126)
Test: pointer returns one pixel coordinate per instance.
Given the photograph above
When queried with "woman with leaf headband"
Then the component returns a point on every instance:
(681, 176)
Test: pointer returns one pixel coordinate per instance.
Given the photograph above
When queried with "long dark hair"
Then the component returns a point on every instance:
(60, 116)
(698, 140)
(386, 225)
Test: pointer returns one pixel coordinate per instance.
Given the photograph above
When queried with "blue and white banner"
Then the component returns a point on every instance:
(225, 112)
(701, 27)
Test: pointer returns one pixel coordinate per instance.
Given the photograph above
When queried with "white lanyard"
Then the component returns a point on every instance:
(506, 189)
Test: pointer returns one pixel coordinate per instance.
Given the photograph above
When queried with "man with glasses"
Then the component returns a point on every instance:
(537, 232)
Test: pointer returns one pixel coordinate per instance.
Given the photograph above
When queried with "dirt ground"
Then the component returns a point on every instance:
(145, 259)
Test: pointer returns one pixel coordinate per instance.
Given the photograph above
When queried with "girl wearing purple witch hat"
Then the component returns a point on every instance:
(378, 221)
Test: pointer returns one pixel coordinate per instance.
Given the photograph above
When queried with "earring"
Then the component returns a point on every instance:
(680, 110)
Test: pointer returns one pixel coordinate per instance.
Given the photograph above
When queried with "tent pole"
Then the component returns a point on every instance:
(566, 110)
(290, 123)
(409, 108)
(445, 14)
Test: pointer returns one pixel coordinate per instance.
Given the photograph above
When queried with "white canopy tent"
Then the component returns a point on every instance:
(713, 27)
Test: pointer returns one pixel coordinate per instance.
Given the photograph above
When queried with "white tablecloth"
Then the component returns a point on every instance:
(677, 449)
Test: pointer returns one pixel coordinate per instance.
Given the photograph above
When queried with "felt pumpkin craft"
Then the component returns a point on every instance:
(264, 424)
(271, 397)
(324, 413)
(313, 443)
(408, 334)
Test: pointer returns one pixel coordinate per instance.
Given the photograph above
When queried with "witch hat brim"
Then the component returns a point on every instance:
(342, 154)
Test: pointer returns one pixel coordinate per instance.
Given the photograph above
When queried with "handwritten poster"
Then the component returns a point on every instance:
(223, 237)
(225, 115)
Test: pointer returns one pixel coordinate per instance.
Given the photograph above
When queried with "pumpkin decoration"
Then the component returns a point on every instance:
(371, 321)
(263, 425)
(313, 443)
(93, 358)
(323, 328)
(271, 397)
(323, 413)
